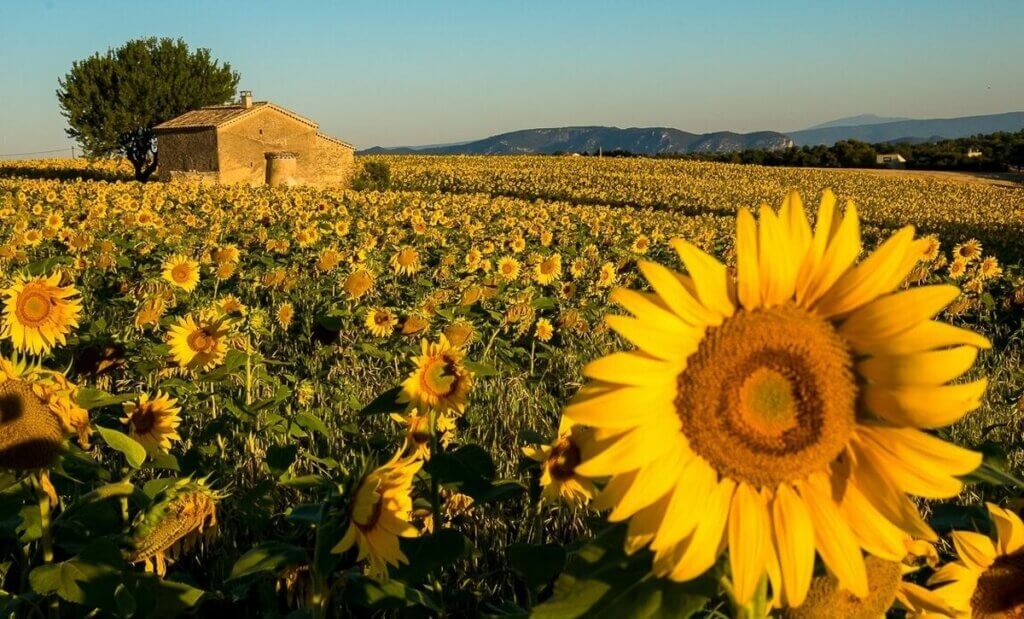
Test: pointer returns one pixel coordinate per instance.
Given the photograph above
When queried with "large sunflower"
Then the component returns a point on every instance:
(782, 414)
(379, 514)
(197, 345)
(988, 580)
(40, 313)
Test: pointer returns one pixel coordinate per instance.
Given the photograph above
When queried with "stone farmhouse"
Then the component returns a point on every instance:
(251, 142)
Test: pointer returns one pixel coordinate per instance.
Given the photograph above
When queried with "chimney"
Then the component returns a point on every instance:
(247, 99)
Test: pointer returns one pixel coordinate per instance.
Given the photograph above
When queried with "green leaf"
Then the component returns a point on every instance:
(281, 457)
(268, 557)
(600, 580)
(429, 553)
(481, 370)
(537, 564)
(89, 398)
(313, 424)
(384, 404)
(132, 450)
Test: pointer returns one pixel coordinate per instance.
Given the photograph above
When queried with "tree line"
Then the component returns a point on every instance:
(999, 152)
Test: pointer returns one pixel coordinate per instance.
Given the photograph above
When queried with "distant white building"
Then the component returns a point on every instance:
(973, 153)
(892, 160)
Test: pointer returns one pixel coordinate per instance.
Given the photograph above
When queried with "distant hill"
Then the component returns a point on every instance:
(638, 140)
(856, 121)
(904, 130)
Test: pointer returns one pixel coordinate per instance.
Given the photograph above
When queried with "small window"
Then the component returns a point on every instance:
(261, 131)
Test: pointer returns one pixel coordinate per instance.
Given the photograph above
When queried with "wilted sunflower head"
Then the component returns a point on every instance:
(175, 524)
(40, 313)
(37, 411)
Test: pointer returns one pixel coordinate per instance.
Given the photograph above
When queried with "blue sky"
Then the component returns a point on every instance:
(390, 73)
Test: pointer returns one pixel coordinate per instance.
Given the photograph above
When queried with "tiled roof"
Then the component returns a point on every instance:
(335, 140)
(220, 115)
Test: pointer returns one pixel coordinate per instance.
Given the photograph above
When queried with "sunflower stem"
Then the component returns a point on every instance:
(46, 539)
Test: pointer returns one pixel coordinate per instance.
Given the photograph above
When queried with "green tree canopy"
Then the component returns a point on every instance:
(112, 101)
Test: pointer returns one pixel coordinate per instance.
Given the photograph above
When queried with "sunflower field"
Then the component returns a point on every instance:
(511, 387)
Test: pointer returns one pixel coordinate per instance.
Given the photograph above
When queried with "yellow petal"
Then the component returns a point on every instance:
(644, 524)
(747, 269)
(700, 550)
(834, 539)
(614, 490)
(843, 247)
(709, 277)
(925, 407)
(922, 450)
(923, 481)
(749, 534)
(896, 313)
(924, 336)
(873, 530)
(689, 500)
(653, 481)
(670, 288)
(887, 499)
(632, 368)
(793, 533)
(667, 345)
(632, 450)
(622, 407)
(1009, 528)
(975, 549)
(650, 309)
(928, 369)
(778, 268)
(877, 275)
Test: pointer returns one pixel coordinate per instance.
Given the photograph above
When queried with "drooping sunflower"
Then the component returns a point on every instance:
(886, 588)
(182, 272)
(198, 345)
(37, 412)
(440, 381)
(783, 414)
(379, 514)
(40, 313)
(558, 478)
(381, 322)
(988, 580)
(153, 422)
(174, 525)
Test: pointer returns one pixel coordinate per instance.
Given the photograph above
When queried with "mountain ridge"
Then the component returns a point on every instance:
(668, 140)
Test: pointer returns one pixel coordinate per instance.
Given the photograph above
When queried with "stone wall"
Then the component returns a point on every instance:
(187, 150)
(235, 153)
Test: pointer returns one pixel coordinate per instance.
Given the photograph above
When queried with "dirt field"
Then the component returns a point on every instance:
(998, 179)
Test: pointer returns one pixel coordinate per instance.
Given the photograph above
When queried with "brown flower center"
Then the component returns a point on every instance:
(1000, 590)
(768, 396)
(144, 418)
(564, 458)
(202, 340)
(181, 273)
(33, 307)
